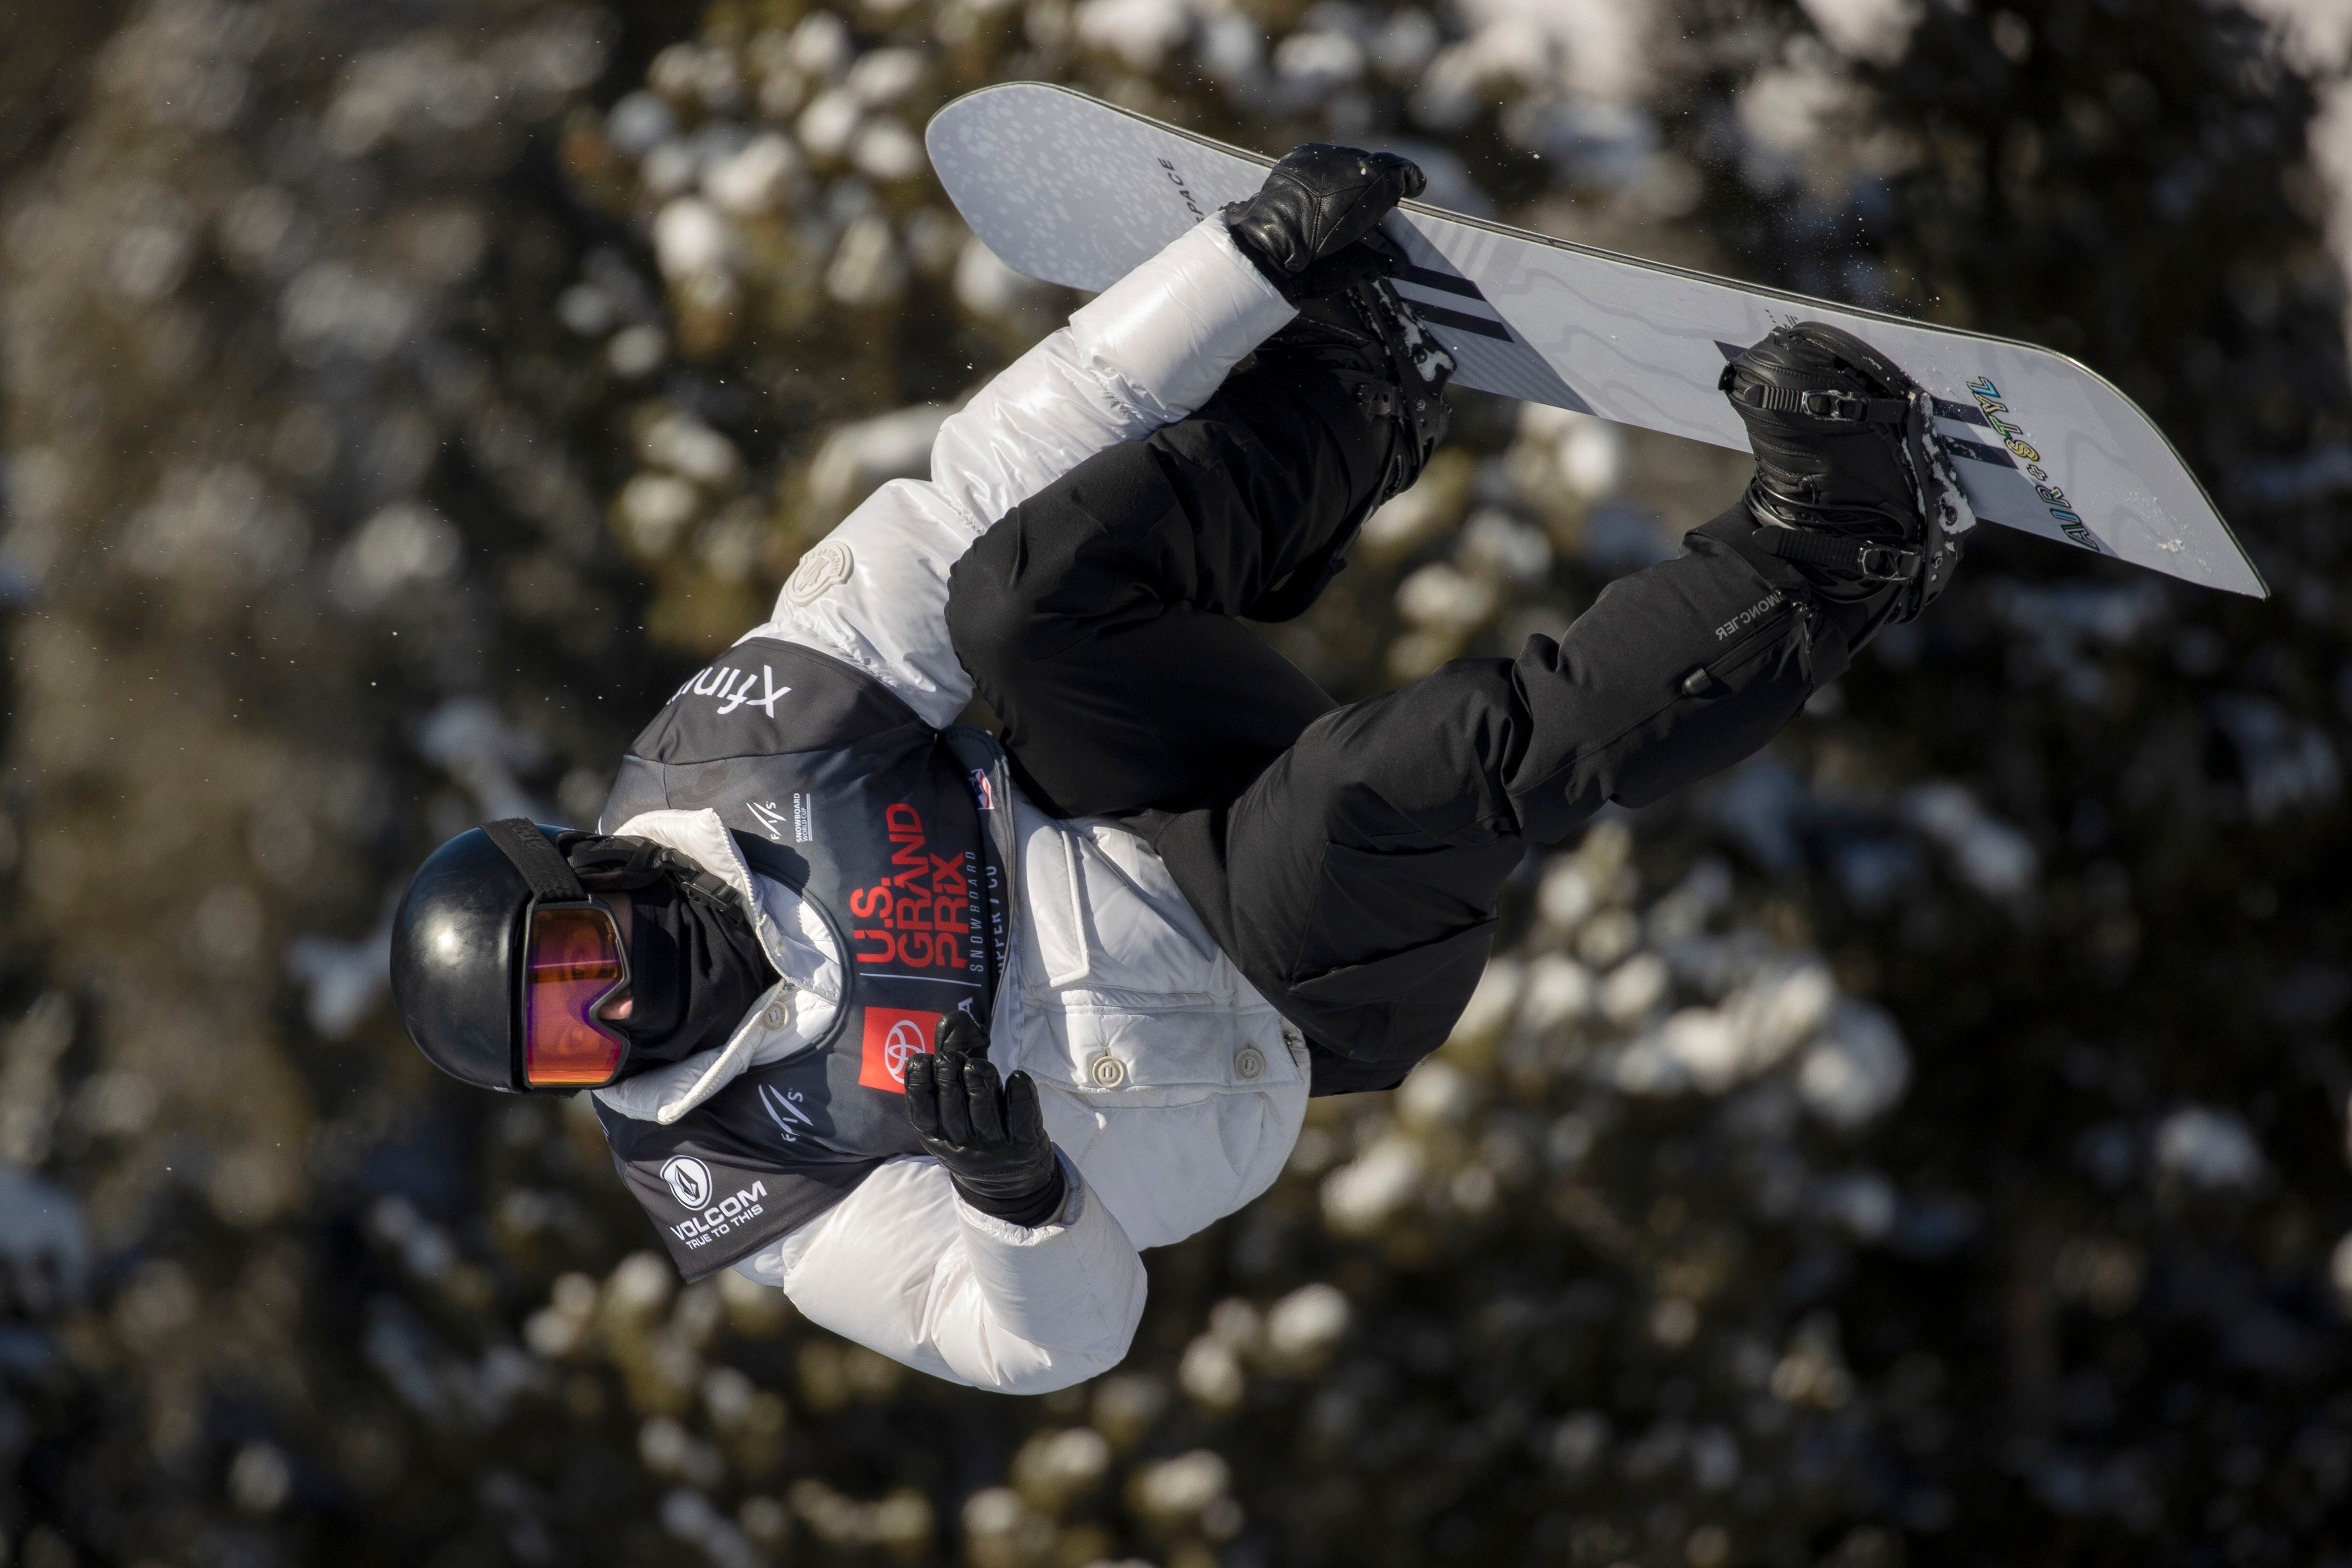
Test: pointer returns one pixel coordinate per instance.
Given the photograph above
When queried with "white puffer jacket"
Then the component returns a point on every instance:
(1172, 1089)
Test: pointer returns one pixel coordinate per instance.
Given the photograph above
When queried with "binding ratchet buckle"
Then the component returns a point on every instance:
(1848, 408)
(1885, 563)
(1833, 405)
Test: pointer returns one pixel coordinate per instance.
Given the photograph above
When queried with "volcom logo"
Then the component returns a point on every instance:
(784, 1110)
(717, 1218)
(688, 1179)
(733, 688)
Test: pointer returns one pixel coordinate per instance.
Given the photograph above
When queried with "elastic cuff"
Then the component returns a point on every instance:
(1027, 1210)
(1049, 1205)
(1248, 248)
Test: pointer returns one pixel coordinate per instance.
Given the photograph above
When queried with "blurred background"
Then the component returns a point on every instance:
(1924, 1145)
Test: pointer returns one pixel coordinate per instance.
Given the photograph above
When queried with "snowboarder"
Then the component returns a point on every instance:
(933, 1029)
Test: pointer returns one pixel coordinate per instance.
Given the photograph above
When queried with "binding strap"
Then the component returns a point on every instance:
(1845, 407)
(541, 863)
(1869, 562)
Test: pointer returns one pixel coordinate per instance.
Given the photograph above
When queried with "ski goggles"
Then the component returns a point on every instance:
(573, 963)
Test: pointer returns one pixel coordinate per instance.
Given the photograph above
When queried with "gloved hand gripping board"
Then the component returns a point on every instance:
(1073, 191)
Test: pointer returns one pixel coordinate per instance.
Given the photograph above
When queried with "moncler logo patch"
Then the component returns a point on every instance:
(892, 1035)
(828, 564)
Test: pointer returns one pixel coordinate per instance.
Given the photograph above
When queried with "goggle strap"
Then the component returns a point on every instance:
(543, 865)
(626, 862)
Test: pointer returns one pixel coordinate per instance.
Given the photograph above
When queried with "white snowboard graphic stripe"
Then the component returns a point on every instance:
(1074, 190)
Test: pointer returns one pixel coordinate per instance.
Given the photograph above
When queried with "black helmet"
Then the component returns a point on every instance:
(457, 945)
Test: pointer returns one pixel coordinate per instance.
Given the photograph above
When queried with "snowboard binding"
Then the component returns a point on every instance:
(1377, 347)
(1313, 232)
(1384, 352)
(1418, 371)
(1853, 485)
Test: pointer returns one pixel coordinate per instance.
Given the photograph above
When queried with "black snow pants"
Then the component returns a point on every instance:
(1347, 859)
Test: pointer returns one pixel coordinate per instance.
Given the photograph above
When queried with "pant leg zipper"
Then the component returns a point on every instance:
(1708, 678)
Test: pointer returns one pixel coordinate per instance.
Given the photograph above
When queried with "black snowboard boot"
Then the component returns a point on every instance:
(1380, 347)
(1377, 345)
(1853, 485)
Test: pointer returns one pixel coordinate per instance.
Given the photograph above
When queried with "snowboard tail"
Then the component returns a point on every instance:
(1076, 192)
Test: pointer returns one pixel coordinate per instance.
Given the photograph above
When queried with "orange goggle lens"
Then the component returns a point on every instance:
(573, 962)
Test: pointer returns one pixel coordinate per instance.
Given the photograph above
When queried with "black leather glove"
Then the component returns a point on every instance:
(1311, 227)
(990, 1135)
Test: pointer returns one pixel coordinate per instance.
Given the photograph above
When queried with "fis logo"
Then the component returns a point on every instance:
(770, 817)
(784, 1110)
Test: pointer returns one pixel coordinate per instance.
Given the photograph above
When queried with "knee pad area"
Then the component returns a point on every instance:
(1424, 765)
(989, 617)
(1058, 563)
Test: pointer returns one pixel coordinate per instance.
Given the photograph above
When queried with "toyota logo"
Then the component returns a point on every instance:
(906, 1040)
(688, 1179)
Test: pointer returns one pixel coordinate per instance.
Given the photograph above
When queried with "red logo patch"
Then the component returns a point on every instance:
(892, 1035)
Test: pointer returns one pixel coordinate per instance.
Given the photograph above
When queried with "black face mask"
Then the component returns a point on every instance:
(695, 965)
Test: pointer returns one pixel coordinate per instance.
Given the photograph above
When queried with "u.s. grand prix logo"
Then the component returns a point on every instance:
(688, 1179)
(893, 1036)
(920, 915)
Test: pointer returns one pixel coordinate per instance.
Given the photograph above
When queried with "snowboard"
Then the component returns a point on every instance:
(1073, 191)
